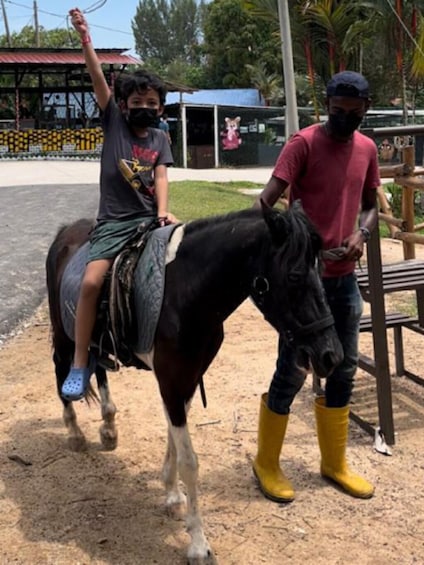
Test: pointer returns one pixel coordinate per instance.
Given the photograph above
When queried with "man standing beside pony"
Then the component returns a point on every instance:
(333, 169)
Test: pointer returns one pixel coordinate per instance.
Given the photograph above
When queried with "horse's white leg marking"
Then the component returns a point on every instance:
(108, 431)
(199, 551)
(76, 439)
(175, 498)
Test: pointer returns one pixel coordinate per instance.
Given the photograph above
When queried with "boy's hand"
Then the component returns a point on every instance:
(79, 22)
(166, 219)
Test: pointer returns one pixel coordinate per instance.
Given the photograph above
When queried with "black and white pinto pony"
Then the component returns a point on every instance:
(218, 262)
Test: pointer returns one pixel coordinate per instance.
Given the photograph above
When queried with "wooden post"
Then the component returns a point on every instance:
(379, 334)
(408, 197)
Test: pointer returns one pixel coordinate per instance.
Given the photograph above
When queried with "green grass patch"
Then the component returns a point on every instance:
(189, 200)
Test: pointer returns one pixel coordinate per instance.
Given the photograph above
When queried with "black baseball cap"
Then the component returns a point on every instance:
(348, 83)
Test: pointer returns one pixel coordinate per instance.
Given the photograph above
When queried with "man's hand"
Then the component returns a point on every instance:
(354, 246)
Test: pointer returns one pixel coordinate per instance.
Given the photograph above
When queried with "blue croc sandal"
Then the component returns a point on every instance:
(77, 381)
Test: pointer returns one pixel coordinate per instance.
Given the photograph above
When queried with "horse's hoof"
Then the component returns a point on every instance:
(77, 443)
(109, 438)
(208, 559)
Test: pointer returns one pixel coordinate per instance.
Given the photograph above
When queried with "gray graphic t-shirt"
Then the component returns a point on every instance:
(127, 168)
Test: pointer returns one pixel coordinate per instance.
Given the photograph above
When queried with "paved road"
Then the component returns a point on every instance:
(29, 219)
(36, 198)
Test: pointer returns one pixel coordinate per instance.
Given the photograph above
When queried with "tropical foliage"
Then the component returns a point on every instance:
(53, 38)
(237, 43)
(167, 37)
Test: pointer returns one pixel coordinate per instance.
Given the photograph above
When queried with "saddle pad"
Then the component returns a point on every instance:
(149, 284)
(70, 288)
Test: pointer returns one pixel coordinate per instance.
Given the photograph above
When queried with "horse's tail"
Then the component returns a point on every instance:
(67, 241)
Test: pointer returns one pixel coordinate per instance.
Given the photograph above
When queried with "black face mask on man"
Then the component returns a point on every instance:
(344, 124)
(142, 117)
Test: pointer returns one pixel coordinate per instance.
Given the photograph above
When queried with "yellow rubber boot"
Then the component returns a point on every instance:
(266, 466)
(332, 429)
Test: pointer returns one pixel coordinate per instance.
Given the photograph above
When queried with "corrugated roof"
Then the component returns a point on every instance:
(57, 57)
(220, 96)
(35, 59)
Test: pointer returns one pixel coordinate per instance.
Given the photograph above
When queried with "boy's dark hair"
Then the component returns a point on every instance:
(139, 81)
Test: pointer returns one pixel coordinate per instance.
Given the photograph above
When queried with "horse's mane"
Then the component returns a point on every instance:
(303, 243)
(238, 217)
(290, 229)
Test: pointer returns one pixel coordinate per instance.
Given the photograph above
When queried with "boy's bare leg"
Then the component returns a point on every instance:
(87, 308)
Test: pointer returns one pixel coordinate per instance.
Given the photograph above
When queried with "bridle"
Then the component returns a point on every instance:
(302, 331)
(261, 286)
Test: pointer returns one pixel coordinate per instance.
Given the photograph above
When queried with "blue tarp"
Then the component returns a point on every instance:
(220, 97)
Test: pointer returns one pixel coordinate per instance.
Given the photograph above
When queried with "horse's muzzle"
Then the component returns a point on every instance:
(323, 359)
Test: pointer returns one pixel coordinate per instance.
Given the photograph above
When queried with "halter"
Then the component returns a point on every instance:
(261, 286)
(325, 322)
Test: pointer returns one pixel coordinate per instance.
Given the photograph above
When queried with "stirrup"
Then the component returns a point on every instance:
(108, 363)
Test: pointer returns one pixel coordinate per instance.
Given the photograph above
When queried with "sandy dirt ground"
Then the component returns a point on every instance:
(97, 507)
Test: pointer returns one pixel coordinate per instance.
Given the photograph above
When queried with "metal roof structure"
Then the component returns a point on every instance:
(220, 96)
(12, 56)
(36, 62)
(45, 72)
(62, 70)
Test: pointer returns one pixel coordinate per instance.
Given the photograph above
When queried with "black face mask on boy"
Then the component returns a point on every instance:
(344, 124)
(142, 117)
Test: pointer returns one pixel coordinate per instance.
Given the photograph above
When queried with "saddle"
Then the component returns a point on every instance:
(116, 325)
(131, 298)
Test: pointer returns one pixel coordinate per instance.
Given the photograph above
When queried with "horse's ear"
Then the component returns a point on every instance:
(299, 212)
(276, 222)
(297, 206)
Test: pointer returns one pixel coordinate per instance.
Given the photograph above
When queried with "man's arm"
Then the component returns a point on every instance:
(100, 86)
(274, 189)
(368, 216)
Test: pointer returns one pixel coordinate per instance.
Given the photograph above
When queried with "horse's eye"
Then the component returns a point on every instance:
(294, 278)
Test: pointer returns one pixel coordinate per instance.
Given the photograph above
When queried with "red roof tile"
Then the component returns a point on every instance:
(63, 57)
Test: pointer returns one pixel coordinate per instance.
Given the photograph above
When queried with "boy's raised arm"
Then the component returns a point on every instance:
(100, 85)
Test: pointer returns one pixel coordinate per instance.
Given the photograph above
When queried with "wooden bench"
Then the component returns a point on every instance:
(395, 321)
(374, 282)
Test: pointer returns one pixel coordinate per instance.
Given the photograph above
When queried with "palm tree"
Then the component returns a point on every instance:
(269, 85)
(400, 31)
(384, 39)
(334, 30)
(325, 35)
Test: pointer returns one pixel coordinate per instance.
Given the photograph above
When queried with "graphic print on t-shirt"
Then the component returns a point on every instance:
(138, 171)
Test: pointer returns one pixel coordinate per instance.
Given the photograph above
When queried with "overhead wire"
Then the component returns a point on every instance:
(91, 8)
(408, 33)
(96, 6)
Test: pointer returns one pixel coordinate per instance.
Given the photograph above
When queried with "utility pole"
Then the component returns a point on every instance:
(36, 26)
(292, 120)
(6, 24)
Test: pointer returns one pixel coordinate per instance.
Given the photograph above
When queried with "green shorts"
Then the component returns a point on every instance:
(109, 237)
